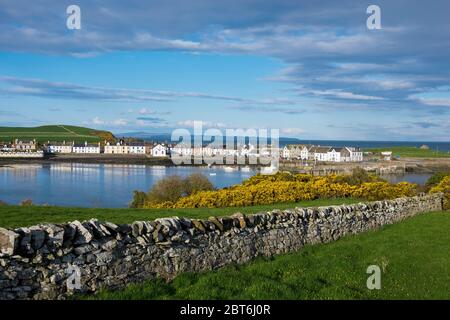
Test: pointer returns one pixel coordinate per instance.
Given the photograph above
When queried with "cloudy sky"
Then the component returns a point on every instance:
(310, 68)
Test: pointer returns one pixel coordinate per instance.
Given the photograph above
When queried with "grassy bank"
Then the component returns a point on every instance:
(54, 133)
(22, 216)
(411, 152)
(413, 254)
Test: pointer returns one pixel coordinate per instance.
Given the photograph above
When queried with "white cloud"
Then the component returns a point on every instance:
(100, 122)
(205, 124)
(337, 93)
(436, 102)
(292, 131)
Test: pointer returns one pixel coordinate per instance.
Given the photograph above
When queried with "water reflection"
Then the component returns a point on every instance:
(94, 185)
(109, 185)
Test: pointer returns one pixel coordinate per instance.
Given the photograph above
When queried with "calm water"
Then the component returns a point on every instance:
(106, 185)
(94, 185)
(419, 178)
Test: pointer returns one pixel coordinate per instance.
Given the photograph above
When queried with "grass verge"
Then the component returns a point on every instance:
(413, 254)
(23, 216)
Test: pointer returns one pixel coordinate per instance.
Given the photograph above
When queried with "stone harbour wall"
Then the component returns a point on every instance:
(54, 261)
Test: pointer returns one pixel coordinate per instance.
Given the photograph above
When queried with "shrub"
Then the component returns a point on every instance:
(167, 189)
(139, 199)
(436, 178)
(443, 186)
(358, 176)
(3, 203)
(26, 203)
(283, 188)
(197, 182)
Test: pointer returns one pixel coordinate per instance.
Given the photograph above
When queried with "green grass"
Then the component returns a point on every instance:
(412, 152)
(53, 133)
(18, 216)
(414, 255)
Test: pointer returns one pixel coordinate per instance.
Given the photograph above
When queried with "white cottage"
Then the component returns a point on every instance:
(59, 147)
(159, 150)
(85, 147)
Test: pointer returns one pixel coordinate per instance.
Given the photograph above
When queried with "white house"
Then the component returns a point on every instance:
(59, 147)
(159, 150)
(319, 153)
(293, 151)
(117, 148)
(123, 148)
(28, 146)
(387, 155)
(86, 148)
(7, 147)
(304, 153)
(330, 154)
(136, 148)
(286, 153)
(336, 154)
(182, 149)
(356, 154)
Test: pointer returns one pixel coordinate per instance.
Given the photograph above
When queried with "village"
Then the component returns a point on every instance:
(290, 152)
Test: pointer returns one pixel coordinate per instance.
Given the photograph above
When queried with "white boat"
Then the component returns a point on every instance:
(229, 169)
(269, 170)
(213, 174)
(245, 169)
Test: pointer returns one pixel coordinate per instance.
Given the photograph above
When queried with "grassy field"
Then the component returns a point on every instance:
(53, 133)
(413, 254)
(411, 152)
(23, 216)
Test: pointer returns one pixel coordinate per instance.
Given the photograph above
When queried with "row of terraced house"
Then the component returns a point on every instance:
(121, 147)
(321, 153)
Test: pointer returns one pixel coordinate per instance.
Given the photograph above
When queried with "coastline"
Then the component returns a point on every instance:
(406, 165)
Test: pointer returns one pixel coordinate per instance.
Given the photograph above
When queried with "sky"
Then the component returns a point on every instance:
(311, 69)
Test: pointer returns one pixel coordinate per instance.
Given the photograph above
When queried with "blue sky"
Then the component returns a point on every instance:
(312, 70)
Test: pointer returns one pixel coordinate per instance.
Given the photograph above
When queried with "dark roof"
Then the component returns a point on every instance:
(82, 145)
(320, 149)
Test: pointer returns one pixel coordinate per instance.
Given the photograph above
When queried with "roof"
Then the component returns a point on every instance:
(296, 146)
(82, 145)
(319, 149)
(136, 144)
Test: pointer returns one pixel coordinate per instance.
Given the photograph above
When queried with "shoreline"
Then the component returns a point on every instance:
(406, 165)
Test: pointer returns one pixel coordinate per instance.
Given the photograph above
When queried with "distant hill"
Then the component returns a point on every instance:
(166, 137)
(55, 133)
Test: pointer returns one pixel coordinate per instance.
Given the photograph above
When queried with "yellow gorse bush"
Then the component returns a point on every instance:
(285, 187)
(444, 187)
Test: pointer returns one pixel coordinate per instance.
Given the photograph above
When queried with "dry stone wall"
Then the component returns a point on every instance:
(54, 261)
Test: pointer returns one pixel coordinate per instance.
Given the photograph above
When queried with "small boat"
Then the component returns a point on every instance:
(229, 169)
(269, 170)
(245, 169)
(213, 174)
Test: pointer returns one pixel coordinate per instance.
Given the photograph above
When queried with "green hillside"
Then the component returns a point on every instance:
(54, 133)
(411, 152)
